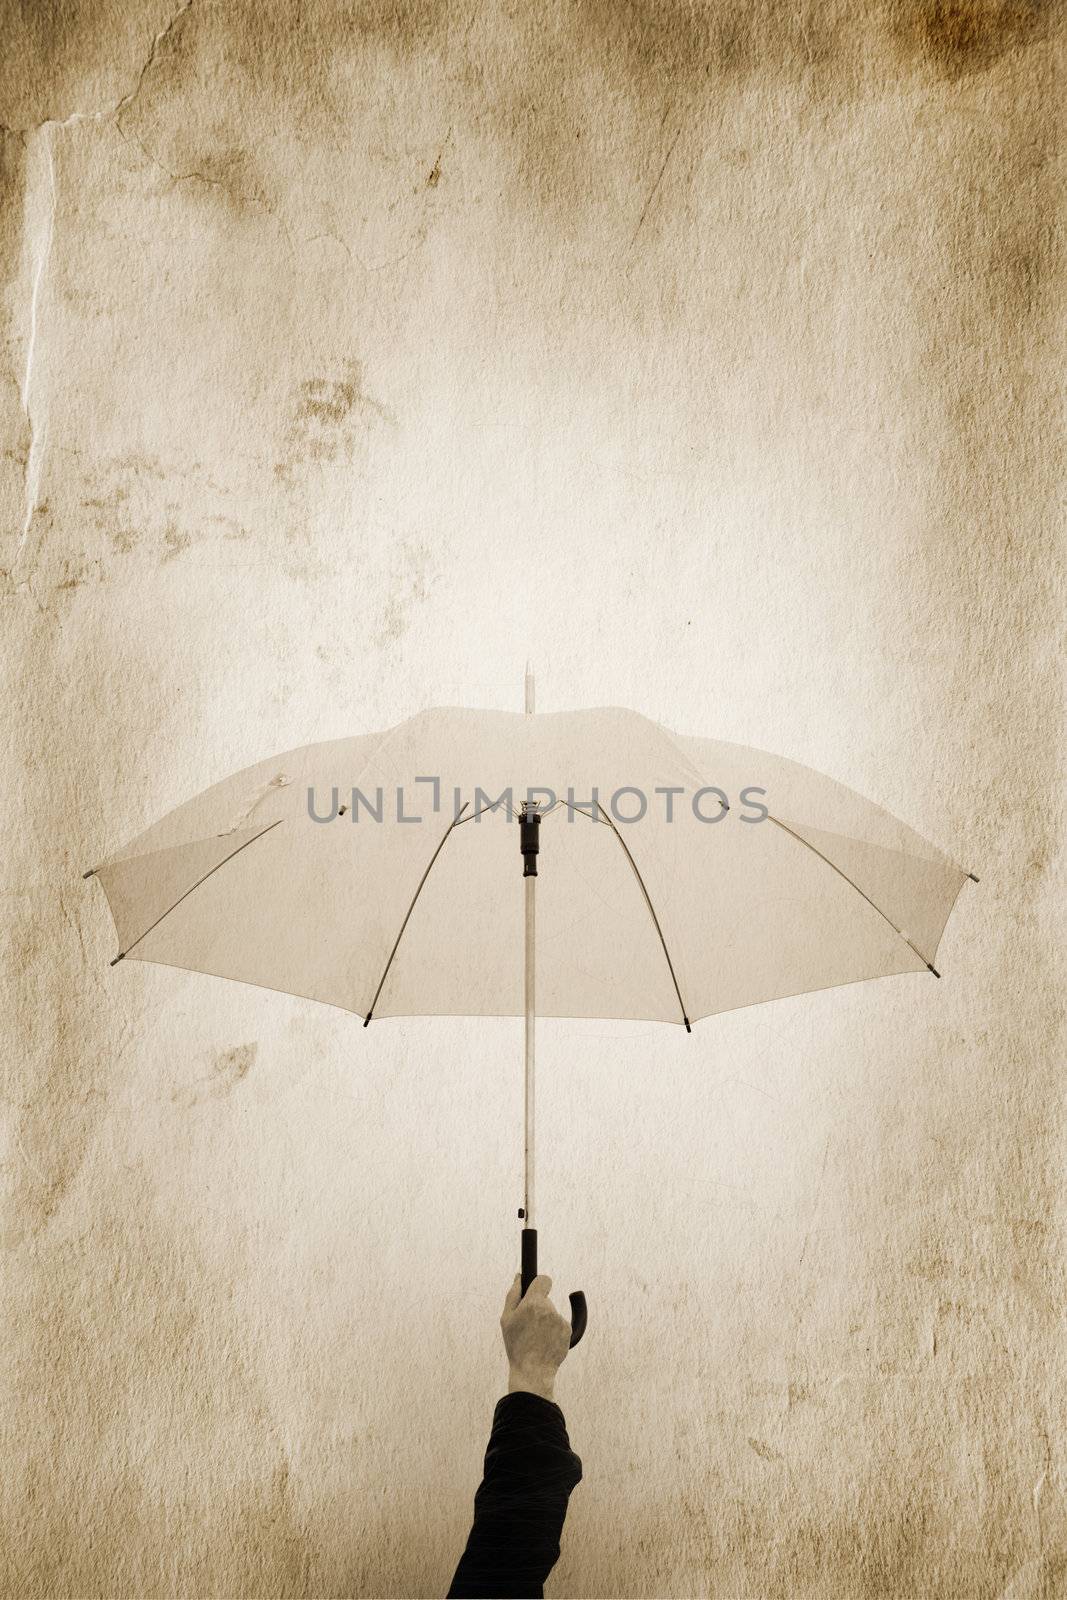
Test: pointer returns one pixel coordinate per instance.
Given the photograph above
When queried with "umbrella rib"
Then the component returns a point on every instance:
(648, 901)
(459, 817)
(816, 851)
(410, 909)
(124, 953)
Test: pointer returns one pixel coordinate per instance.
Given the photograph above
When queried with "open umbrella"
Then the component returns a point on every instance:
(394, 874)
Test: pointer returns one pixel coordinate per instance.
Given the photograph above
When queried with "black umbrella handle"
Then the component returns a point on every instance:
(579, 1309)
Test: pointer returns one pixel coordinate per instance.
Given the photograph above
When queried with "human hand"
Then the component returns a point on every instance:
(536, 1337)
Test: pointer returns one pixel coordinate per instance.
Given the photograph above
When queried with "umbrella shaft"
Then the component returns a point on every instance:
(530, 885)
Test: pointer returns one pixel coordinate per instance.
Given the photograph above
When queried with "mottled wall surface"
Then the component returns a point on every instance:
(707, 354)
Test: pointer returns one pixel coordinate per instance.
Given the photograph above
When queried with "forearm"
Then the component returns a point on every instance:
(521, 1505)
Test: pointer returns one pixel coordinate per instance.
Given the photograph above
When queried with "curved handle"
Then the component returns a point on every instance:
(579, 1309)
(579, 1316)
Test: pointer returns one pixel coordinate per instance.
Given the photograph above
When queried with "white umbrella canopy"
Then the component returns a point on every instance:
(679, 877)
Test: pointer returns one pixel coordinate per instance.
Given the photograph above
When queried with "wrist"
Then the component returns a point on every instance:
(532, 1380)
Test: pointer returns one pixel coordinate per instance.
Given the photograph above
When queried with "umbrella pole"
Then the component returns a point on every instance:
(530, 843)
(529, 830)
(529, 838)
(531, 926)
(529, 1232)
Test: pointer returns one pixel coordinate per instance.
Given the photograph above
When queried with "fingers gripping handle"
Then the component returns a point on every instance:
(579, 1309)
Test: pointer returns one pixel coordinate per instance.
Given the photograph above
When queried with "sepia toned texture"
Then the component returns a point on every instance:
(708, 356)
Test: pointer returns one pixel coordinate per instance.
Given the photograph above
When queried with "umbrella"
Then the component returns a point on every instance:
(580, 864)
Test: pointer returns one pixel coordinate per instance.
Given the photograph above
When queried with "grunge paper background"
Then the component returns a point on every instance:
(707, 355)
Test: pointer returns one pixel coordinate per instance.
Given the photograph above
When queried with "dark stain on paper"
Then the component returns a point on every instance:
(957, 37)
(331, 416)
(228, 1068)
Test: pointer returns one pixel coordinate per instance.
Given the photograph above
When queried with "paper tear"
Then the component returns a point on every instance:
(40, 259)
(39, 138)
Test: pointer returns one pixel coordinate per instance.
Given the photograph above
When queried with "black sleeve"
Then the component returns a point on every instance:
(530, 1470)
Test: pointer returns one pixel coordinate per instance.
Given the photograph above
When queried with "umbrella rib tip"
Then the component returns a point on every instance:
(120, 957)
(688, 1025)
(366, 1019)
(973, 878)
(931, 968)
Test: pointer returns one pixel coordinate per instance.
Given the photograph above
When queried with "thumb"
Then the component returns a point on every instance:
(541, 1285)
(513, 1294)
